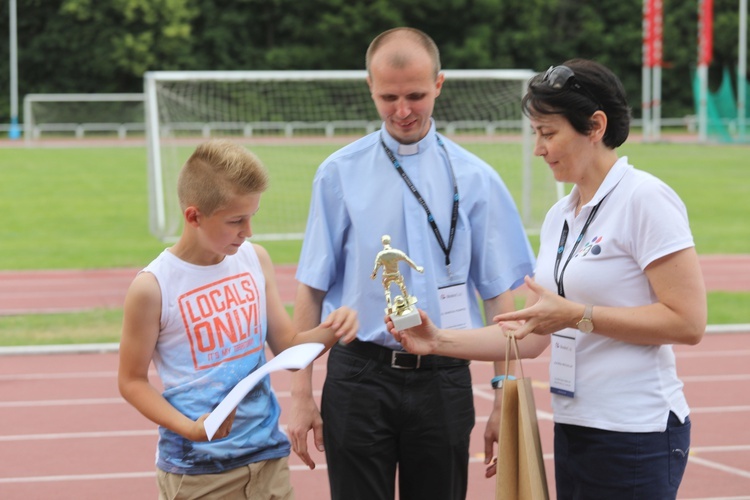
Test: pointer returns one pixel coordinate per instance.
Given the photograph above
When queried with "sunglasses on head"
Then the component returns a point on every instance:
(563, 78)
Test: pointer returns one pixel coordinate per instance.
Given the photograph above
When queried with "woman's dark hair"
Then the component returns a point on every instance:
(598, 89)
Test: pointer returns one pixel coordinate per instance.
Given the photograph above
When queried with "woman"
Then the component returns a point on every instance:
(617, 283)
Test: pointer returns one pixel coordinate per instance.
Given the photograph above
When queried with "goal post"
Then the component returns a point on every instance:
(294, 119)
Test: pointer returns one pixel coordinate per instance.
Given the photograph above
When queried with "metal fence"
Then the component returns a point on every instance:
(39, 131)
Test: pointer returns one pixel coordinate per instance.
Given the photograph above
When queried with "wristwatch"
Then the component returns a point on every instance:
(586, 323)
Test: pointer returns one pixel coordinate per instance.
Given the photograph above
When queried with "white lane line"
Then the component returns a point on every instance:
(78, 435)
(322, 467)
(138, 475)
(714, 449)
(721, 498)
(56, 376)
(481, 393)
(61, 402)
(77, 477)
(716, 378)
(712, 354)
(59, 376)
(719, 409)
(113, 373)
(715, 465)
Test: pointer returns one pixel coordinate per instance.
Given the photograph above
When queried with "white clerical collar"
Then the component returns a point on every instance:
(408, 149)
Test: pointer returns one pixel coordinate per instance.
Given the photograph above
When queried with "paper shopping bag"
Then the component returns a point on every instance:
(520, 463)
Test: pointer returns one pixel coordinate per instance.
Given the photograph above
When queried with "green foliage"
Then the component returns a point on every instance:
(88, 46)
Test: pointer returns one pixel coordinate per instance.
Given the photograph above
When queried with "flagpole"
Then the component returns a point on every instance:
(15, 131)
(646, 72)
(742, 72)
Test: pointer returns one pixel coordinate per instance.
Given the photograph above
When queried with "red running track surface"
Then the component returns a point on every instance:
(67, 434)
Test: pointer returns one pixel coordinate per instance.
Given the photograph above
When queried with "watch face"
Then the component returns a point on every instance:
(585, 325)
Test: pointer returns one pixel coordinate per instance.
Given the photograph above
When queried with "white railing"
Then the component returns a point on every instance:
(329, 129)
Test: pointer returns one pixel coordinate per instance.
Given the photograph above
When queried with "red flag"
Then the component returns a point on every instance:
(705, 32)
(652, 32)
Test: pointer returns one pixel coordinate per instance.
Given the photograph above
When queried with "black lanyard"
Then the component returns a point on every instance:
(430, 218)
(561, 247)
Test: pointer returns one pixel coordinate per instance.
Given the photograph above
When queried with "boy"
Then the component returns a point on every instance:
(203, 311)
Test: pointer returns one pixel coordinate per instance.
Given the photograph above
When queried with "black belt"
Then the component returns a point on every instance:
(401, 359)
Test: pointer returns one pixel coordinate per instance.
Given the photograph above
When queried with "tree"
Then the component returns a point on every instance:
(89, 46)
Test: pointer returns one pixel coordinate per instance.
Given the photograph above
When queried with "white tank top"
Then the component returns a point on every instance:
(212, 335)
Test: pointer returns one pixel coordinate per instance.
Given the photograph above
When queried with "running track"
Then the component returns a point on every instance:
(67, 434)
(31, 292)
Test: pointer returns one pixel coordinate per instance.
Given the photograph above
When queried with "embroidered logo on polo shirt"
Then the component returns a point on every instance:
(592, 246)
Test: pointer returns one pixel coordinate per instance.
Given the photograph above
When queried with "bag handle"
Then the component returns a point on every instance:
(511, 340)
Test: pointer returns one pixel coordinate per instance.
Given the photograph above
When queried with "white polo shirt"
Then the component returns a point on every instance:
(618, 386)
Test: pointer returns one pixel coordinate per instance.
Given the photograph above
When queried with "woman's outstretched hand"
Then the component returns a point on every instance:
(420, 339)
(549, 314)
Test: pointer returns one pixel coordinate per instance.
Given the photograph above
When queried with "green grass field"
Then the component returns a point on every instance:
(86, 208)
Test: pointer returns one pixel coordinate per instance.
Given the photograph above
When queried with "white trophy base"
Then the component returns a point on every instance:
(406, 320)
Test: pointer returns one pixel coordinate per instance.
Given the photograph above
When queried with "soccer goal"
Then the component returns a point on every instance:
(294, 119)
(82, 115)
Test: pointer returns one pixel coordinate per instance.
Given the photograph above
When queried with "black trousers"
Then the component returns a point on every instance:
(591, 464)
(377, 419)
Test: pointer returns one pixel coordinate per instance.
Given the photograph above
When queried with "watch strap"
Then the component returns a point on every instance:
(588, 312)
(587, 319)
(497, 382)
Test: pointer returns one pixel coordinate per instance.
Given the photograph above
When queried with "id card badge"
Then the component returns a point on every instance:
(454, 306)
(562, 370)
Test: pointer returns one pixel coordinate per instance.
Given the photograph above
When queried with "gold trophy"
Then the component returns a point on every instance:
(401, 309)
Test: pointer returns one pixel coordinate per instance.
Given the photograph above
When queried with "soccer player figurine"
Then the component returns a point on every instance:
(401, 309)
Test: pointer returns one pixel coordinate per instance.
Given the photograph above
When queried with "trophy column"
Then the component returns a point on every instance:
(401, 308)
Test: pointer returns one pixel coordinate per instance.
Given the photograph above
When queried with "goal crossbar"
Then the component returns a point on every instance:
(302, 75)
(156, 123)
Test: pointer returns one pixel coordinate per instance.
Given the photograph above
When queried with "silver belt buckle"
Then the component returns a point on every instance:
(395, 355)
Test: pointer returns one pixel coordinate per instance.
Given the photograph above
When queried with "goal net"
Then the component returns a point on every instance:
(79, 115)
(294, 119)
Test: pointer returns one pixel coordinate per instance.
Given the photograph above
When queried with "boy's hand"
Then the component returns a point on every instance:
(344, 323)
(199, 431)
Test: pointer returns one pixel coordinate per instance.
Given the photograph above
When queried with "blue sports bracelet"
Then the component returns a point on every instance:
(497, 382)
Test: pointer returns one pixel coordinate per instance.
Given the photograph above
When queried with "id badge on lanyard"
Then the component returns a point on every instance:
(562, 372)
(454, 306)
(563, 365)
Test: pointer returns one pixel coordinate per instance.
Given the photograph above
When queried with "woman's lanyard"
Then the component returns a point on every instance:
(430, 218)
(561, 247)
